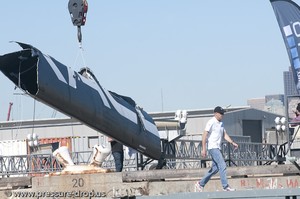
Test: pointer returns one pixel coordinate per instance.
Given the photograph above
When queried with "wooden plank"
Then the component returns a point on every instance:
(197, 173)
(263, 170)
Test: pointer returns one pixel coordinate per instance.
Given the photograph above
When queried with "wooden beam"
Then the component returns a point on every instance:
(129, 176)
(12, 182)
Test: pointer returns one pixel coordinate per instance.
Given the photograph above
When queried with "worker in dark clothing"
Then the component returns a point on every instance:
(118, 154)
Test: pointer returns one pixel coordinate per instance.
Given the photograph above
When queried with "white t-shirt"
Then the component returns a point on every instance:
(215, 134)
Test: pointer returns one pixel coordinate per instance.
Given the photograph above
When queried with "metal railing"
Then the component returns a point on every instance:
(179, 154)
(187, 154)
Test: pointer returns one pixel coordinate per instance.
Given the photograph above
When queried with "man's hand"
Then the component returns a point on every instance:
(235, 145)
(203, 153)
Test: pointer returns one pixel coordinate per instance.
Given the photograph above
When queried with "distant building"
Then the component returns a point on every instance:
(270, 103)
(257, 103)
(279, 103)
(290, 90)
(275, 106)
(277, 97)
(289, 83)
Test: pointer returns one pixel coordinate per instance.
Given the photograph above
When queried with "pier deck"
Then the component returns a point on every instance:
(273, 181)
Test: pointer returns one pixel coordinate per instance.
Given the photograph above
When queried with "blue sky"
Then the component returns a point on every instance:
(166, 55)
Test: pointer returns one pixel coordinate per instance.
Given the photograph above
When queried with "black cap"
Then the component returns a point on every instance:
(219, 109)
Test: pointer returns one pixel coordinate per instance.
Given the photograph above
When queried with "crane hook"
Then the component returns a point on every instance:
(78, 12)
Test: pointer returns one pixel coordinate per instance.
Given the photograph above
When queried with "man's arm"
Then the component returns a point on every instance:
(204, 137)
(228, 139)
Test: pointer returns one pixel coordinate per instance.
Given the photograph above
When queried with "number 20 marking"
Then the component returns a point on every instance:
(78, 182)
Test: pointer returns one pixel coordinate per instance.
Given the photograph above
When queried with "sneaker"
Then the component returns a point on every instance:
(228, 189)
(198, 187)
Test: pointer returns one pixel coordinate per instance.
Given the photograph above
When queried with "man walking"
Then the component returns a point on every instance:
(213, 134)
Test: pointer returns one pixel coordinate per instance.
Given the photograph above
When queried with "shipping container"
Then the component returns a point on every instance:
(13, 147)
(86, 143)
(57, 142)
(13, 158)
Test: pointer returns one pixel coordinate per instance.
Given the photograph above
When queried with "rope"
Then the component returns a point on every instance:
(82, 56)
(19, 76)
(20, 103)
(33, 119)
(80, 51)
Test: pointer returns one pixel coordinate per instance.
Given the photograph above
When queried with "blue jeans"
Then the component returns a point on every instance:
(218, 164)
(118, 157)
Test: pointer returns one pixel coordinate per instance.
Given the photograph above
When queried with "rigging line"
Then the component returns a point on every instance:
(73, 137)
(80, 51)
(31, 67)
(82, 56)
(19, 76)
(21, 100)
(75, 61)
(33, 117)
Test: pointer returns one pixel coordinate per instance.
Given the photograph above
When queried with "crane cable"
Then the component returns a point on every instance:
(78, 12)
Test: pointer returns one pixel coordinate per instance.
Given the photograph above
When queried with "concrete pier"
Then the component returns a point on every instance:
(260, 182)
